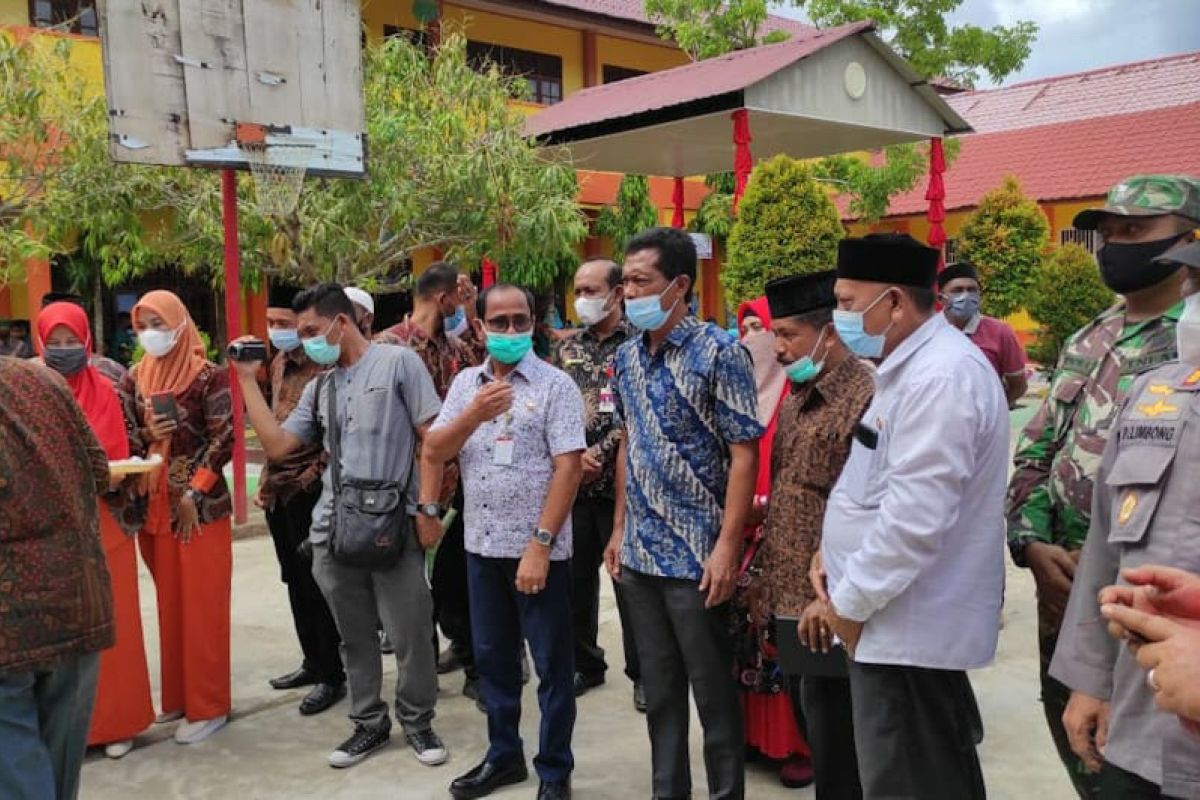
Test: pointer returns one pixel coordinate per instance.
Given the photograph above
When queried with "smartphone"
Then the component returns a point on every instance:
(163, 404)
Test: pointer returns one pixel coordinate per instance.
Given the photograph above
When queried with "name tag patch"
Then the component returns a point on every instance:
(1148, 433)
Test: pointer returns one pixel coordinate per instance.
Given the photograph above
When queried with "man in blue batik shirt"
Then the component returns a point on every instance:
(686, 470)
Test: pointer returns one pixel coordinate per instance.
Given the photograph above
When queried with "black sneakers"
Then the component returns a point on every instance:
(364, 742)
(428, 747)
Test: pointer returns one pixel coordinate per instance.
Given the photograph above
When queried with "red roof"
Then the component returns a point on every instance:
(702, 79)
(1069, 160)
(635, 11)
(1122, 89)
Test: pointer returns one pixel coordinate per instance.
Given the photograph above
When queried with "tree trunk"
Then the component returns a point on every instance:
(98, 315)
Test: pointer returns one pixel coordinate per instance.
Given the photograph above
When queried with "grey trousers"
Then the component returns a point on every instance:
(397, 599)
(915, 731)
(44, 719)
(680, 642)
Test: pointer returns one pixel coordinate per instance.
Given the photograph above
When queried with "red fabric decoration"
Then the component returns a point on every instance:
(936, 195)
(743, 161)
(490, 272)
(677, 200)
(94, 392)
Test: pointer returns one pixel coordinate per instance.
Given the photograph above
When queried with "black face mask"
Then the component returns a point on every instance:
(1128, 268)
(66, 360)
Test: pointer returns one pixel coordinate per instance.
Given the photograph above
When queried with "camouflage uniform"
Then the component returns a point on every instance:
(1058, 456)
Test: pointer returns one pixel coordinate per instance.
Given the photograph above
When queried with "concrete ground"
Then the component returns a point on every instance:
(270, 751)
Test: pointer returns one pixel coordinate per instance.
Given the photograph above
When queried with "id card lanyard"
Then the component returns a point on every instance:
(608, 401)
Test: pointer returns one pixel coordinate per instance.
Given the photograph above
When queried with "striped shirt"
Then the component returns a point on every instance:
(681, 407)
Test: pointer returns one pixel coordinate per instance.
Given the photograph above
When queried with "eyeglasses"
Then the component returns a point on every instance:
(516, 322)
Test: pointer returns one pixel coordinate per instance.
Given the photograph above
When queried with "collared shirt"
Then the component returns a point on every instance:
(812, 442)
(681, 408)
(300, 470)
(382, 398)
(443, 354)
(913, 532)
(591, 363)
(503, 502)
(999, 343)
(1145, 513)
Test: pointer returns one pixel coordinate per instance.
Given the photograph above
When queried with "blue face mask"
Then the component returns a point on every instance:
(850, 329)
(647, 313)
(320, 350)
(962, 305)
(509, 348)
(804, 369)
(453, 322)
(285, 339)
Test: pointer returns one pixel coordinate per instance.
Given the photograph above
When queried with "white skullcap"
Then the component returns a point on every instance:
(359, 297)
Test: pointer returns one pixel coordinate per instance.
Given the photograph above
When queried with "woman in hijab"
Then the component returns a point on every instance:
(185, 411)
(123, 707)
(772, 730)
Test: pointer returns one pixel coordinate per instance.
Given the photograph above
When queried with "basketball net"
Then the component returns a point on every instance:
(278, 173)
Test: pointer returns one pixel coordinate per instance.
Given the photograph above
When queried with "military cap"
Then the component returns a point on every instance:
(801, 294)
(1147, 196)
(894, 258)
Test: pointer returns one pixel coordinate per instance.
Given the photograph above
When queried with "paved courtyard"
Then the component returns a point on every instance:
(270, 751)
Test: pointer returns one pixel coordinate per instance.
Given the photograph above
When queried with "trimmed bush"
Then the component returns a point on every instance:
(1067, 293)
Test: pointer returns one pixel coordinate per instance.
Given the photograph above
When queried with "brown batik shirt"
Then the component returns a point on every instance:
(300, 470)
(812, 442)
(589, 361)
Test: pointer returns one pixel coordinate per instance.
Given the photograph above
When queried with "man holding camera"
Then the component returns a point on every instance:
(370, 411)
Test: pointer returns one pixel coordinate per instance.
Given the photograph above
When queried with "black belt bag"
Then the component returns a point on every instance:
(370, 517)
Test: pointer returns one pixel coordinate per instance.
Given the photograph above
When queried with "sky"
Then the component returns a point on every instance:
(1079, 35)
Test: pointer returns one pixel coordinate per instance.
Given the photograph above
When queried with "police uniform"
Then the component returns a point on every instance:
(1146, 511)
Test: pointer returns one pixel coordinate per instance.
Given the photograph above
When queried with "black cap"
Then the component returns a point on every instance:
(281, 295)
(894, 258)
(960, 269)
(800, 294)
(1188, 256)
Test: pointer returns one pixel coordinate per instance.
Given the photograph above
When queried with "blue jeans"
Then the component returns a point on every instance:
(44, 719)
(499, 616)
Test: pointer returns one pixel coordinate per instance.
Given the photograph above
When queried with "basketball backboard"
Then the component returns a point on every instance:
(185, 77)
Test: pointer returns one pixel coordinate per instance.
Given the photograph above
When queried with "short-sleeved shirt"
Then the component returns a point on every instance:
(681, 407)
(502, 503)
(382, 398)
(999, 343)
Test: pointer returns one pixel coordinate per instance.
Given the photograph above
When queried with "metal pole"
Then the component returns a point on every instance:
(233, 329)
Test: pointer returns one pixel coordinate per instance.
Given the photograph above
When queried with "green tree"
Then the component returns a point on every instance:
(1067, 293)
(1006, 238)
(715, 214)
(632, 213)
(786, 225)
(707, 28)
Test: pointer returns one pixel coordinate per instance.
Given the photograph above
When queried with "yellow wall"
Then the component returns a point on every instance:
(14, 12)
(636, 55)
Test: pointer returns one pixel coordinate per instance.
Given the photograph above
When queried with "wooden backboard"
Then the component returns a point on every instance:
(180, 75)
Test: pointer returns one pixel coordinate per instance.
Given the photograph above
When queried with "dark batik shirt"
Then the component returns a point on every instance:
(300, 470)
(591, 363)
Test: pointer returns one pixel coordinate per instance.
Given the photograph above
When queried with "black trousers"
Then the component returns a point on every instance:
(591, 525)
(915, 732)
(829, 726)
(318, 634)
(451, 604)
(1118, 784)
(682, 643)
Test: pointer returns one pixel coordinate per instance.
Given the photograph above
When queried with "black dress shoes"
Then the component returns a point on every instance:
(558, 790)
(322, 696)
(294, 680)
(585, 683)
(487, 778)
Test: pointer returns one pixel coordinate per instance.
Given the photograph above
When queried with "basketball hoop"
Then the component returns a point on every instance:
(277, 169)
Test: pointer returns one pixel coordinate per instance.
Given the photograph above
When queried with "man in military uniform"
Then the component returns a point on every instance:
(1143, 514)
(1050, 496)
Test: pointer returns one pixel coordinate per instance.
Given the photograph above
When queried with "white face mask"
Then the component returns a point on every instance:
(591, 310)
(1187, 332)
(158, 343)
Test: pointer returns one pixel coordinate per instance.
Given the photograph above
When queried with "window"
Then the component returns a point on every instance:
(542, 72)
(951, 251)
(1089, 240)
(419, 38)
(612, 74)
(72, 16)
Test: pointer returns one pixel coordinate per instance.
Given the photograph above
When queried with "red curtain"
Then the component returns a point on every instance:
(677, 200)
(490, 272)
(743, 162)
(936, 195)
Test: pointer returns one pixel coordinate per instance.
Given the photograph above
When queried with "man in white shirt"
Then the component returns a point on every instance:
(913, 539)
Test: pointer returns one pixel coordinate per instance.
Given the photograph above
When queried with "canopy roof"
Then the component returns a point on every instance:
(821, 92)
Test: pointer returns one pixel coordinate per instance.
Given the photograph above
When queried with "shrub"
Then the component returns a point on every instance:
(1067, 293)
(786, 225)
(632, 214)
(1006, 239)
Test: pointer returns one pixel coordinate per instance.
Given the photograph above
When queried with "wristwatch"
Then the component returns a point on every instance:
(544, 537)
(430, 510)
